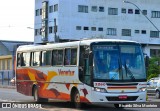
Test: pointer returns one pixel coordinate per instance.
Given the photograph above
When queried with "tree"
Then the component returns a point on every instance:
(154, 67)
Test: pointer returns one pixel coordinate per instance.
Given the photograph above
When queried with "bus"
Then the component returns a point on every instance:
(92, 71)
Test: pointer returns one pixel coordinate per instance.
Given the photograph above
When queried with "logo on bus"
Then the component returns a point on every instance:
(66, 73)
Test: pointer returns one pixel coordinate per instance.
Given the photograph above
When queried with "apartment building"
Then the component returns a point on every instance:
(63, 20)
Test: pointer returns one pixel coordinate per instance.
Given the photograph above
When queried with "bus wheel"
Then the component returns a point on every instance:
(36, 97)
(76, 100)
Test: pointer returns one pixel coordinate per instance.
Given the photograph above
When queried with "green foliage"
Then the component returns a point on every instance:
(154, 67)
(152, 76)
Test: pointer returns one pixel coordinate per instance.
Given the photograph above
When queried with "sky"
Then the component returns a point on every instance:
(15, 17)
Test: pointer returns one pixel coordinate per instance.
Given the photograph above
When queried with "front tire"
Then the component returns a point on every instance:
(36, 96)
(76, 100)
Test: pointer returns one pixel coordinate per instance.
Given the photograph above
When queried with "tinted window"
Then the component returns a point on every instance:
(35, 59)
(46, 57)
(70, 56)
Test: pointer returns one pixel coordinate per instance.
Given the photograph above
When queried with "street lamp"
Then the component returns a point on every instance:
(142, 13)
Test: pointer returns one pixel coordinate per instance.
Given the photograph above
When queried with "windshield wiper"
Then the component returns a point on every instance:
(129, 72)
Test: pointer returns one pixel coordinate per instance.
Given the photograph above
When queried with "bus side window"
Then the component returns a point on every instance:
(60, 57)
(81, 63)
(35, 59)
(46, 58)
(70, 56)
(18, 59)
(54, 57)
(73, 56)
(67, 57)
(25, 60)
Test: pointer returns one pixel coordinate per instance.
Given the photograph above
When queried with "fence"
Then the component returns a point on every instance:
(5, 77)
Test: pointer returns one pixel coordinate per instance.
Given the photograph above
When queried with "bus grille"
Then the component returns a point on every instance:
(129, 98)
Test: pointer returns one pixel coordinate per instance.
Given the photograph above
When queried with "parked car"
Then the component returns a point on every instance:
(13, 81)
(153, 87)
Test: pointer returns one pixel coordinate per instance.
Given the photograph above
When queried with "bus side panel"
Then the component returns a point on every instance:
(26, 77)
(23, 82)
(55, 83)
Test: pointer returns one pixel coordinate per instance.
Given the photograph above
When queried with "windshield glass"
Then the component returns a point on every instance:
(118, 62)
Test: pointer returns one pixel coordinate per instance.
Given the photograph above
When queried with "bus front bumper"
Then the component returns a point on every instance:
(119, 97)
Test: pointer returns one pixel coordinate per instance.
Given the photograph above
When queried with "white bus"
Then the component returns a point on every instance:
(94, 71)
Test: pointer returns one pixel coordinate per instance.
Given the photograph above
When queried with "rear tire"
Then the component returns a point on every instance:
(36, 96)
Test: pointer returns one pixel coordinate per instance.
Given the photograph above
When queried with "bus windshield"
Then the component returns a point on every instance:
(118, 62)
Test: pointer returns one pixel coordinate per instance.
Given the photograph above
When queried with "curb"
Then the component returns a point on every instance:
(9, 87)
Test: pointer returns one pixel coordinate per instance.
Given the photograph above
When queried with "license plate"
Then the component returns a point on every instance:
(123, 97)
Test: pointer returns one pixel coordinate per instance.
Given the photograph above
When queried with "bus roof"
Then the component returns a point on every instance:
(67, 44)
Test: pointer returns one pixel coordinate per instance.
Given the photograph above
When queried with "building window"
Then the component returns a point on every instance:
(101, 9)
(126, 32)
(137, 11)
(155, 14)
(86, 28)
(154, 52)
(154, 34)
(50, 9)
(83, 8)
(143, 31)
(93, 28)
(123, 10)
(94, 9)
(3, 64)
(40, 11)
(137, 31)
(130, 11)
(111, 31)
(37, 12)
(144, 12)
(44, 10)
(55, 7)
(50, 29)
(112, 11)
(78, 27)
(9, 64)
(38, 31)
(100, 29)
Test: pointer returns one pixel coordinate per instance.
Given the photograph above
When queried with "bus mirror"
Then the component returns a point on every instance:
(147, 61)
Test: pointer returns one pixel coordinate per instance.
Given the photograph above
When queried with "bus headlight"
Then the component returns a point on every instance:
(102, 90)
(143, 89)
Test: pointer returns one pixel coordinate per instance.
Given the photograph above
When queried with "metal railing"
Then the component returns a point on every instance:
(5, 77)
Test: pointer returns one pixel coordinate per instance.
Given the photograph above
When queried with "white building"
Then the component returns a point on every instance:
(76, 19)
